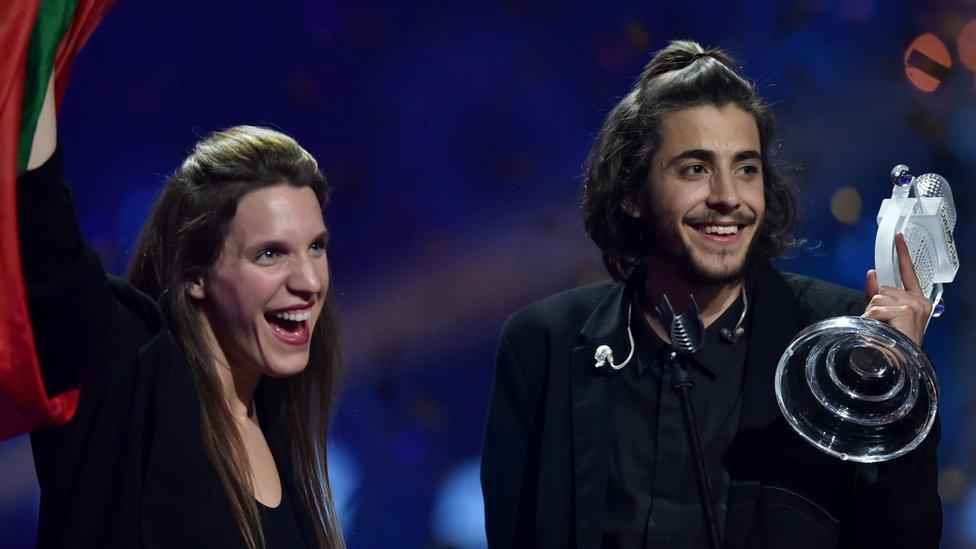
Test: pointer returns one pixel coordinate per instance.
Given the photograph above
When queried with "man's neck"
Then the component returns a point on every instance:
(713, 300)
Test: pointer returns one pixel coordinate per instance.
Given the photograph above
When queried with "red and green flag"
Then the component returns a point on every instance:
(38, 38)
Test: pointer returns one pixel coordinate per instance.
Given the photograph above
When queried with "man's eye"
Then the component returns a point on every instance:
(750, 170)
(694, 169)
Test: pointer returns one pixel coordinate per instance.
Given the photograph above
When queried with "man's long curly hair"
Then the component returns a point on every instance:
(681, 76)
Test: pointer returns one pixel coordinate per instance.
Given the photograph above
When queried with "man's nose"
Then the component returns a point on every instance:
(723, 193)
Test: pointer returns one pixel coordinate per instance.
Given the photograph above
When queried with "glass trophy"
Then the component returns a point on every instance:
(855, 387)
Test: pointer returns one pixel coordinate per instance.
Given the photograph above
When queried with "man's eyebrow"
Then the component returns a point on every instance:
(698, 154)
(709, 156)
(746, 155)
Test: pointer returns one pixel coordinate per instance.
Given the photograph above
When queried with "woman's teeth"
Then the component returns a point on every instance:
(722, 229)
(294, 316)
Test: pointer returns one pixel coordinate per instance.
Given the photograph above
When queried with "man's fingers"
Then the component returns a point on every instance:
(885, 313)
(881, 299)
(871, 284)
(893, 292)
(909, 278)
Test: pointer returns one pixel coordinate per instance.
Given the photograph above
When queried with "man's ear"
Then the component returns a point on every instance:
(196, 289)
(630, 207)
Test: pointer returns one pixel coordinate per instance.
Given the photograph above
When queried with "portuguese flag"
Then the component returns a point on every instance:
(37, 38)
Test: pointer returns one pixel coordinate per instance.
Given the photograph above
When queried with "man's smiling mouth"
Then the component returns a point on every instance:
(720, 229)
(719, 232)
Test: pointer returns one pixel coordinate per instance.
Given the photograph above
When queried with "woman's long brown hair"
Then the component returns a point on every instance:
(180, 243)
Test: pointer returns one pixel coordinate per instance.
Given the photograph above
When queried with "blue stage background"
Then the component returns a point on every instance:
(455, 134)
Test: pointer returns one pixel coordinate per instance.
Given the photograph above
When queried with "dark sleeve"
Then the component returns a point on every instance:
(896, 503)
(68, 294)
(509, 506)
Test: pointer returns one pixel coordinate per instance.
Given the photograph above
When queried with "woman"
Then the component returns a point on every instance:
(207, 379)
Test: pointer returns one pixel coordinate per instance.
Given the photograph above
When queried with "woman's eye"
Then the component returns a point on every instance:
(268, 255)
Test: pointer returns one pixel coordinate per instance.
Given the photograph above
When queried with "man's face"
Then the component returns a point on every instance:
(265, 293)
(705, 199)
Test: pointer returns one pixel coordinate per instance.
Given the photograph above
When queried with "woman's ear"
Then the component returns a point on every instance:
(196, 289)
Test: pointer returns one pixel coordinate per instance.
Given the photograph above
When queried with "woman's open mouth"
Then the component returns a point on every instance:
(290, 327)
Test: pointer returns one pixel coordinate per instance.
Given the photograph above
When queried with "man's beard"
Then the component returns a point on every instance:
(665, 244)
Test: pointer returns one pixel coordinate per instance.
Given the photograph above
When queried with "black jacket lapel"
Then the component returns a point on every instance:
(607, 325)
(772, 326)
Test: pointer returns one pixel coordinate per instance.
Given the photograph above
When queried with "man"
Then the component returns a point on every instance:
(681, 199)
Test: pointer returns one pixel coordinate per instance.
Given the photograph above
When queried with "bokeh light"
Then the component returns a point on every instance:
(966, 45)
(927, 62)
(952, 484)
(846, 205)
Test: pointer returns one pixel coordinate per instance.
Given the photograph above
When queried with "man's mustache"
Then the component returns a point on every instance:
(739, 218)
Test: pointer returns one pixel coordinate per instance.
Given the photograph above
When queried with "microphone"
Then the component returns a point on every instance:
(731, 337)
(686, 332)
(737, 331)
(604, 354)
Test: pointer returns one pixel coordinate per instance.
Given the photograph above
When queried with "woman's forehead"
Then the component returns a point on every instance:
(279, 212)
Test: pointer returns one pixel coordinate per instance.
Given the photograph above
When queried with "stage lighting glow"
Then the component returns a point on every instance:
(345, 478)
(927, 62)
(458, 519)
(968, 521)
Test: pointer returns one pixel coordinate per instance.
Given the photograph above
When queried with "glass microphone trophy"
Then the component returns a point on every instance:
(855, 387)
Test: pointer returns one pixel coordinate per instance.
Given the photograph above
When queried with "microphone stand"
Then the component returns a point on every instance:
(686, 332)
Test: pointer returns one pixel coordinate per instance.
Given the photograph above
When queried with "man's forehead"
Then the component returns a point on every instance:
(724, 130)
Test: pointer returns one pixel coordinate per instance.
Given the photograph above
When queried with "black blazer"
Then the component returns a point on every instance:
(544, 463)
(129, 470)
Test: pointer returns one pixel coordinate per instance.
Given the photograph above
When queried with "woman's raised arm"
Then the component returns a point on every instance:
(46, 134)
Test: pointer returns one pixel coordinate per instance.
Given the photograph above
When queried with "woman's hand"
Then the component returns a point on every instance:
(46, 133)
(905, 310)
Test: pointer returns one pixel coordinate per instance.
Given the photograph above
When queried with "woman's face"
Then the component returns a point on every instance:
(265, 293)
